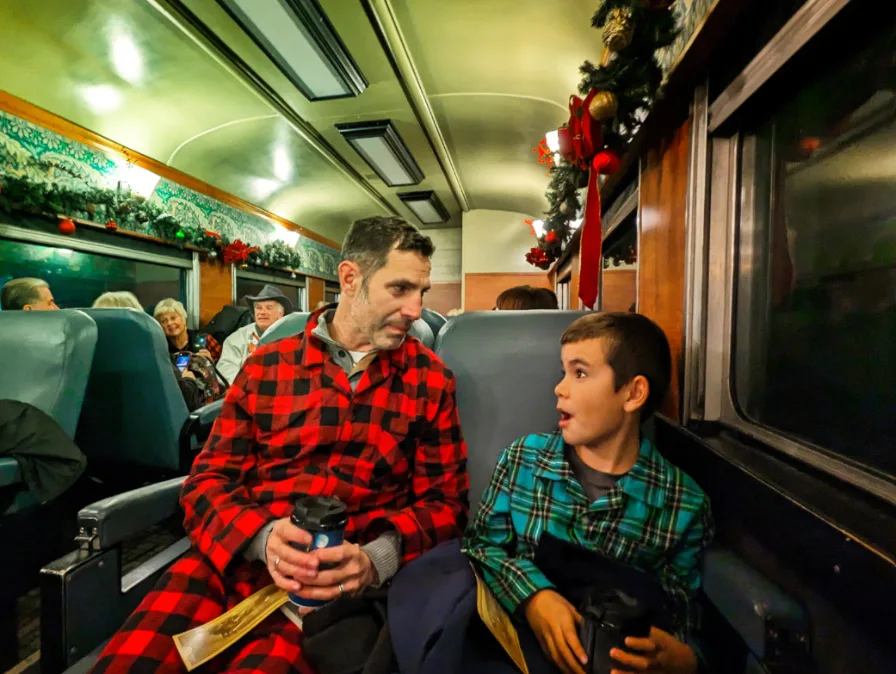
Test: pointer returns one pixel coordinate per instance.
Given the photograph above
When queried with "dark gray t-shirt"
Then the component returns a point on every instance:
(595, 483)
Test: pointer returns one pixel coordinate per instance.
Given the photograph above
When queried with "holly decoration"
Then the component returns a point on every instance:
(67, 226)
(616, 93)
(539, 258)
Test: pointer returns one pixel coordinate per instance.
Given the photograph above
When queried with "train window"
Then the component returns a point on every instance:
(77, 278)
(814, 354)
(250, 283)
(331, 293)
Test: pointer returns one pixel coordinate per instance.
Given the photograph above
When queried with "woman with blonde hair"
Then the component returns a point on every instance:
(172, 316)
(121, 299)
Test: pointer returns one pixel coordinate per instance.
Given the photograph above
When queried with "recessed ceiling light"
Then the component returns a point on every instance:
(382, 148)
(299, 38)
(426, 206)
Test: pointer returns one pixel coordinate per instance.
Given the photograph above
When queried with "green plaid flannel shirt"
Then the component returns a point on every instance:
(656, 518)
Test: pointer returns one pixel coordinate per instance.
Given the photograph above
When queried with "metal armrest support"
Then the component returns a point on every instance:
(118, 518)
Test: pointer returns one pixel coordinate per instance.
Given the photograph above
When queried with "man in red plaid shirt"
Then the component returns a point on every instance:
(352, 408)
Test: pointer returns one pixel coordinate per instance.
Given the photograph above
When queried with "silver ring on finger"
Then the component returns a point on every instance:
(277, 564)
(341, 589)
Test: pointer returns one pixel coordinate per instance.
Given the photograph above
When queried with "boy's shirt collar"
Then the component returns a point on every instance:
(647, 481)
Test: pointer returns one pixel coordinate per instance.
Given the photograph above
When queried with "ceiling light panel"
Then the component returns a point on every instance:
(426, 206)
(299, 38)
(385, 152)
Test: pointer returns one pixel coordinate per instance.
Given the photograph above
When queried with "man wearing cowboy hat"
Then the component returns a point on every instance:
(268, 307)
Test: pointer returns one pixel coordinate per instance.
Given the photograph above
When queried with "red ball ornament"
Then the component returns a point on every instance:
(606, 162)
(67, 226)
(550, 237)
(112, 226)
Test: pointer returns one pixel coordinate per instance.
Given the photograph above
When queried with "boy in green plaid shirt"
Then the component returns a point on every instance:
(598, 484)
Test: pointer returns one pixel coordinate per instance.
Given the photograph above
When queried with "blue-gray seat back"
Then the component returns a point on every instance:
(434, 320)
(133, 411)
(421, 330)
(45, 357)
(289, 325)
(507, 364)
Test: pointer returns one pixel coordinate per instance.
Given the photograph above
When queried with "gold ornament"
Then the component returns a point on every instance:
(658, 5)
(619, 29)
(603, 106)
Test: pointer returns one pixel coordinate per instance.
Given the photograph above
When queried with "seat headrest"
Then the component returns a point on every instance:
(434, 320)
(507, 364)
(421, 330)
(134, 410)
(288, 326)
(45, 357)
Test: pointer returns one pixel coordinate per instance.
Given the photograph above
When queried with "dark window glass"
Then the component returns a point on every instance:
(76, 279)
(815, 334)
(245, 287)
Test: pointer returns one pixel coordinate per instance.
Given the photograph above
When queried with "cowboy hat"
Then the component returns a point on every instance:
(271, 292)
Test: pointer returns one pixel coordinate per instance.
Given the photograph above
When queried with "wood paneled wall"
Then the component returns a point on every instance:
(619, 289)
(443, 297)
(315, 292)
(661, 250)
(481, 290)
(215, 289)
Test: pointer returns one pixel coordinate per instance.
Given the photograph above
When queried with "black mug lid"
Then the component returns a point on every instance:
(319, 512)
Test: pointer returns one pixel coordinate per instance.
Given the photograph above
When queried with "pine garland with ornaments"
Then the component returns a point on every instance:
(617, 94)
(120, 208)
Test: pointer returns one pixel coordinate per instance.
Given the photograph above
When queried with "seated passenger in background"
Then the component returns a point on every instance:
(172, 316)
(269, 306)
(193, 393)
(525, 298)
(27, 294)
(118, 299)
(351, 408)
(597, 484)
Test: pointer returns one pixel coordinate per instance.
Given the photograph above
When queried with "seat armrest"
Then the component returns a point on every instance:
(205, 416)
(117, 518)
(770, 623)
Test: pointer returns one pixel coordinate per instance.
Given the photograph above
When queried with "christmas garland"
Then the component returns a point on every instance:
(122, 208)
(617, 93)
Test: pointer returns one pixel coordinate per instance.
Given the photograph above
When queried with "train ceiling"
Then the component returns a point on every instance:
(470, 87)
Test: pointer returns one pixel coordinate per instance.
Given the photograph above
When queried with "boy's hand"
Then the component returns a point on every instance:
(554, 620)
(659, 653)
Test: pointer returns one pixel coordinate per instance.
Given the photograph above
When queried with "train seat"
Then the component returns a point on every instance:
(45, 357)
(133, 411)
(434, 320)
(506, 364)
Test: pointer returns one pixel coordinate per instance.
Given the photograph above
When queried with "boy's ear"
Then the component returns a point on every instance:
(638, 392)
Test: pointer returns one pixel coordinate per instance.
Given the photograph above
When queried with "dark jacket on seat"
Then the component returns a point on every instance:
(435, 627)
(48, 458)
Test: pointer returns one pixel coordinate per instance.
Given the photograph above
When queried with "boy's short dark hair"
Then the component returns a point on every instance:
(369, 242)
(635, 346)
(524, 298)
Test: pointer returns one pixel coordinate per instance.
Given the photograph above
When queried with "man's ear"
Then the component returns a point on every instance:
(350, 278)
(27, 307)
(638, 392)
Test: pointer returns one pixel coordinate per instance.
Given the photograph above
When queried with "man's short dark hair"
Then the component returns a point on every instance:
(635, 345)
(369, 242)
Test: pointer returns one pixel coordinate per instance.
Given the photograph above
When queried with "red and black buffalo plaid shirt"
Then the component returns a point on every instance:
(391, 450)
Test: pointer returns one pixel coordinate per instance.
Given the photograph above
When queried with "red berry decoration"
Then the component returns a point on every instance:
(112, 226)
(67, 226)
